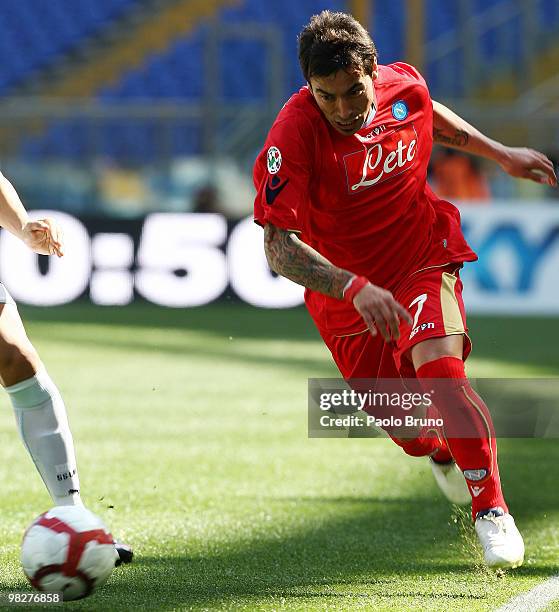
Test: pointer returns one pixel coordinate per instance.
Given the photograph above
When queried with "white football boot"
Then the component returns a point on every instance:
(502, 543)
(451, 482)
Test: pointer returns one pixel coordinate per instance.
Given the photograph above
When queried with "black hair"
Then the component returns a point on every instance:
(335, 41)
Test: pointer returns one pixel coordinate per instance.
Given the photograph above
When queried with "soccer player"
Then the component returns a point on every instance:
(38, 406)
(347, 212)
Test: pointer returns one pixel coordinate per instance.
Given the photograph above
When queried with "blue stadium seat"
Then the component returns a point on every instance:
(388, 30)
(34, 33)
(37, 32)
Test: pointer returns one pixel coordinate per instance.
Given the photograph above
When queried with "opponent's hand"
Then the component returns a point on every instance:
(44, 237)
(530, 164)
(380, 311)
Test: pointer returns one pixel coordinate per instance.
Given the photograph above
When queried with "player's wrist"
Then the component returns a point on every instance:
(18, 228)
(23, 230)
(499, 152)
(353, 287)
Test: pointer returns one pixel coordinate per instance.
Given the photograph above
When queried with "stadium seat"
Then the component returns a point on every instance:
(38, 32)
(35, 33)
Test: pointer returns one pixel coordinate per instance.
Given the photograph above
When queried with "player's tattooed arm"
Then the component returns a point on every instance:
(290, 257)
(452, 131)
(458, 138)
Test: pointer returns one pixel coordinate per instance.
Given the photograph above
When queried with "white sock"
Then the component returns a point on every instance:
(43, 425)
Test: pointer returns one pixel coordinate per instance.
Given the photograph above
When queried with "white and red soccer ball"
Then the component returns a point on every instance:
(68, 549)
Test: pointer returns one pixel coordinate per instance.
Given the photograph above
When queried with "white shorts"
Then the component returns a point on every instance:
(5, 297)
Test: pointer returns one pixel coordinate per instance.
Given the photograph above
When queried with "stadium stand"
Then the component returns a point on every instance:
(163, 58)
(35, 34)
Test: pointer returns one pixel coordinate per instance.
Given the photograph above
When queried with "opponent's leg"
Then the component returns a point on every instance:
(39, 410)
(40, 413)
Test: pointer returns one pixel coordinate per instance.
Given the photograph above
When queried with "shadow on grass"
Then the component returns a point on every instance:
(519, 340)
(337, 548)
(522, 340)
(220, 319)
(529, 471)
(368, 549)
(362, 548)
(213, 349)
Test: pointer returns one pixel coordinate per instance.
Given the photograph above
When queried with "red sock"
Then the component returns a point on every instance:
(426, 444)
(465, 415)
(429, 442)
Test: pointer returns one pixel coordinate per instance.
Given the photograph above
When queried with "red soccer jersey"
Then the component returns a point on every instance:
(362, 201)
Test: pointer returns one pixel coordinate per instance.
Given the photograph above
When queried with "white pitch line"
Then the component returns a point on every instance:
(534, 599)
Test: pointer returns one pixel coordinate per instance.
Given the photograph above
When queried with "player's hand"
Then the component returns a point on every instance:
(44, 237)
(380, 311)
(530, 164)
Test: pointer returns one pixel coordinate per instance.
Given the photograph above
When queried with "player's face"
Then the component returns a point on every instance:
(345, 98)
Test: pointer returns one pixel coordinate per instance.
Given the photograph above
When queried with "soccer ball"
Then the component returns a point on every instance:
(68, 549)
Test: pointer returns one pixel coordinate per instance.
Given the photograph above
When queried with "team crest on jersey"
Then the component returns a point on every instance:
(400, 110)
(274, 160)
(390, 155)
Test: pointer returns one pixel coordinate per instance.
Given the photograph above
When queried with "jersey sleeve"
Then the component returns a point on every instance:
(282, 174)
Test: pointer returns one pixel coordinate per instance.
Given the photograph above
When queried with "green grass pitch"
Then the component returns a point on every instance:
(191, 434)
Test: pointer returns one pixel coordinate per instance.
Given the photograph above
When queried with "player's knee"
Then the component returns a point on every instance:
(437, 350)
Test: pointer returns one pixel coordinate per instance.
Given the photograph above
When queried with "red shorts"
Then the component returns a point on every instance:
(434, 299)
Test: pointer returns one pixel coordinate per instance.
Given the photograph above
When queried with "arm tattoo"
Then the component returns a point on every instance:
(460, 138)
(291, 257)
